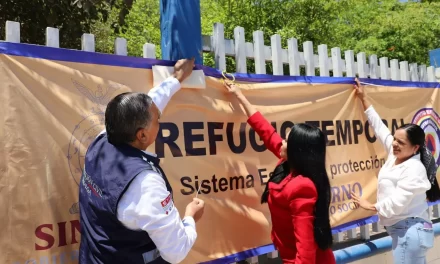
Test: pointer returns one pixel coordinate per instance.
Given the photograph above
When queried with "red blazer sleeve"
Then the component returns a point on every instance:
(302, 198)
(265, 130)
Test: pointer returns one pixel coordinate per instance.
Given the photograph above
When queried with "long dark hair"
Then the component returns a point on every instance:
(306, 149)
(416, 136)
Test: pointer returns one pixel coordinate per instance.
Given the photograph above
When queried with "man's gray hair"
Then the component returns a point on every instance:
(125, 115)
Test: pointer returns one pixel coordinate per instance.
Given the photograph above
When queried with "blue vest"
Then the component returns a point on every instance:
(108, 171)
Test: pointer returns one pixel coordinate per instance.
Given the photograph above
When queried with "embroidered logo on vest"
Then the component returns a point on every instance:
(167, 204)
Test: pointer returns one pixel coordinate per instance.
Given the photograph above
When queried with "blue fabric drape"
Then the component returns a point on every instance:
(181, 33)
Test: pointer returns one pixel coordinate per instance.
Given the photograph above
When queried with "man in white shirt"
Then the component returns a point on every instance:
(126, 205)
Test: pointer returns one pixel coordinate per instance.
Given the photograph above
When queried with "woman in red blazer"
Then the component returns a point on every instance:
(298, 192)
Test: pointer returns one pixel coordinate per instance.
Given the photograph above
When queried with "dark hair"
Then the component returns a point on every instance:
(306, 150)
(416, 136)
(125, 115)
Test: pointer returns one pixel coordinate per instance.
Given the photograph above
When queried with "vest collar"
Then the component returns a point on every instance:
(148, 156)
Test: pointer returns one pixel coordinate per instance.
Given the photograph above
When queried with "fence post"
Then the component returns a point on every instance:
(337, 62)
(240, 50)
(309, 58)
(88, 42)
(376, 227)
(12, 32)
(373, 66)
(277, 58)
(431, 74)
(121, 46)
(384, 68)
(273, 254)
(252, 260)
(404, 73)
(292, 50)
(362, 65)
(259, 53)
(436, 211)
(323, 60)
(219, 46)
(437, 74)
(149, 51)
(423, 75)
(395, 71)
(414, 76)
(349, 63)
(52, 37)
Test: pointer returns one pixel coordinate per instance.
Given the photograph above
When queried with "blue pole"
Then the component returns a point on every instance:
(181, 30)
(434, 58)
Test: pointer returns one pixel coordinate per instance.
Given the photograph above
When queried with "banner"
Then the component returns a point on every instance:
(52, 103)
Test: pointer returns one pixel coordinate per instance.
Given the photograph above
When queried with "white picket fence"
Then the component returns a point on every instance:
(242, 50)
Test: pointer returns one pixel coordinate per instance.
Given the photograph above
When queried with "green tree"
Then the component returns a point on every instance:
(403, 31)
(73, 19)
(142, 26)
(105, 30)
(212, 12)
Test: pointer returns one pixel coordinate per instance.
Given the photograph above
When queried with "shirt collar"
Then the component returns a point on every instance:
(414, 157)
(149, 153)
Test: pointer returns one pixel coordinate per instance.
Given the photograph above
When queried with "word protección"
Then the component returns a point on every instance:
(355, 166)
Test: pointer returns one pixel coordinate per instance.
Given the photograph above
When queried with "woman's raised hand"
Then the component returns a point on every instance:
(359, 89)
(232, 88)
(360, 92)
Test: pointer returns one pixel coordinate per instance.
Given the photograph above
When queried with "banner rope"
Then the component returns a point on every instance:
(378, 85)
(225, 73)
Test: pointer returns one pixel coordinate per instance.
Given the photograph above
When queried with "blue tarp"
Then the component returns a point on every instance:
(181, 30)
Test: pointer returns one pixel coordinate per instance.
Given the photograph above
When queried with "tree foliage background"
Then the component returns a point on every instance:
(404, 31)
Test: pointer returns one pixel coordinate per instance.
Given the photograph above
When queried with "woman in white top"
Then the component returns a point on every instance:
(405, 183)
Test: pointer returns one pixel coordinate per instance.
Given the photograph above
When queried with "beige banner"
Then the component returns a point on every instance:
(52, 110)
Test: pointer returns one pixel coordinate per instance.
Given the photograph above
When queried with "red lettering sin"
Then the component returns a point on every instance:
(39, 233)
(62, 236)
(74, 225)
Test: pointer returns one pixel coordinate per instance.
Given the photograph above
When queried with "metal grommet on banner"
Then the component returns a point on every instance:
(224, 73)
